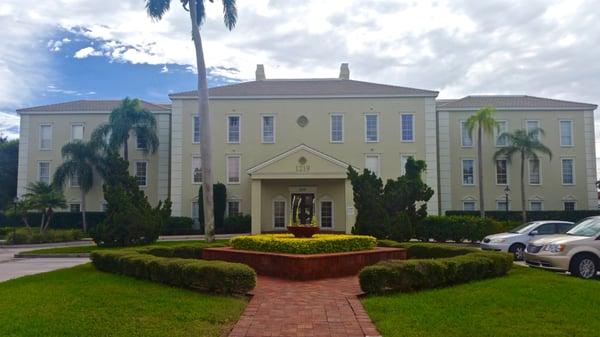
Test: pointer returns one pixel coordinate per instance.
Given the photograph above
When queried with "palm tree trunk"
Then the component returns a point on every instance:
(523, 209)
(205, 139)
(83, 218)
(480, 172)
(43, 220)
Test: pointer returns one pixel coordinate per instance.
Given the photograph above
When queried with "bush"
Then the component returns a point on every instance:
(457, 266)
(27, 235)
(459, 228)
(418, 250)
(60, 220)
(532, 215)
(211, 276)
(184, 251)
(236, 224)
(318, 244)
(179, 225)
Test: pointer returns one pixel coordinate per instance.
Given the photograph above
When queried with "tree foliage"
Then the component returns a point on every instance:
(45, 198)
(9, 157)
(220, 204)
(393, 211)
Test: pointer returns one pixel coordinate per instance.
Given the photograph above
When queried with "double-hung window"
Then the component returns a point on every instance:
(44, 172)
(233, 169)
(74, 208)
(535, 177)
(327, 214)
(465, 137)
(77, 131)
(468, 172)
(535, 205)
(195, 211)
(372, 163)
(233, 129)
(501, 172)
(566, 133)
(196, 170)
(468, 205)
(279, 208)
(531, 125)
(371, 128)
(141, 173)
(268, 129)
(141, 143)
(45, 137)
(336, 128)
(75, 180)
(407, 127)
(569, 205)
(196, 129)
(233, 207)
(501, 205)
(403, 160)
(502, 128)
(568, 174)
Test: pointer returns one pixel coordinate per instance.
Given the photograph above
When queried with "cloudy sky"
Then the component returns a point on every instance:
(75, 49)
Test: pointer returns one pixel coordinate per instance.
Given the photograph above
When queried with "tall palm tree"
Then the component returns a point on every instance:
(485, 123)
(128, 117)
(80, 158)
(44, 197)
(528, 145)
(156, 9)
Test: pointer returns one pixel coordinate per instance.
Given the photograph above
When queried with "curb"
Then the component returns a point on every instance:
(41, 256)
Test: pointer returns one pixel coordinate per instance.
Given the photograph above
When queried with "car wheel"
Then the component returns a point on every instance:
(584, 266)
(518, 251)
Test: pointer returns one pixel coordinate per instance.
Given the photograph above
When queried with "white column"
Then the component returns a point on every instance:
(23, 166)
(177, 157)
(256, 206)
(349, 203)
(164, 121)
(590, 160)
(445, 192)
(431, 153)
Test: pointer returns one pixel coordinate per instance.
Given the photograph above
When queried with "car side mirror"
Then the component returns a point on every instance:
(533, 233)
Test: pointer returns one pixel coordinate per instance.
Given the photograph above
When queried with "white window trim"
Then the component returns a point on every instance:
(327, 199)
(462, 172)
(462, 129)
(529, 172)
(82, 130)
(135, 172)
(192, 164)
(238, 200)
(378, 162)
(469, 201)
(39, 170)
(227, 173)
(507, 172)
(365, 127)
(331, 128)
(262, 128)
(401, 127)
(497, 133)
(503, 208)
(560, 133)
(541, 204)
(574, 204)
(51, 137)
(285, 212)
(572, 171)
(239, 116)
(199, 131)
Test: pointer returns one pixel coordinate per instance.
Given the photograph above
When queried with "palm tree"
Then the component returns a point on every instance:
(80, 158)
(484, 121)
(44, 197)
(128, 117)
(528, 145)
(156, 9)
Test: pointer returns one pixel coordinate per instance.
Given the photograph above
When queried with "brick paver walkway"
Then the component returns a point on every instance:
(322, 308)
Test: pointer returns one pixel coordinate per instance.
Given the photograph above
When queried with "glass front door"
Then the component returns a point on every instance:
(303, 205)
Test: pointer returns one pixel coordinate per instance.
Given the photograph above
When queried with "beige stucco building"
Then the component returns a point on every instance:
(283, 141)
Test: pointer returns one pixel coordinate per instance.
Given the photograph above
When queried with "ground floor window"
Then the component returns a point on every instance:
(141, 173)
(327, 214)
(502, 206)
(195, 211)
(468, 205)
(233, 207)
(74, 208)
(279, 213)
(569, 205)
(535, 205)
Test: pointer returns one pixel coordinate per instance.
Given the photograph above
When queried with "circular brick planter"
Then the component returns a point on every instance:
(303, 231)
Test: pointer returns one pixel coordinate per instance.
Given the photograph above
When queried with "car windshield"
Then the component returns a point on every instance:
(524, 228)
(586, 227)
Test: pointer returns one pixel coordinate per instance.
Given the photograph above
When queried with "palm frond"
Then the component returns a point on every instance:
(229, 13)
(157, 8)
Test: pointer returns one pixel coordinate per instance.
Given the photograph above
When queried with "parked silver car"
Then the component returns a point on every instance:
(515, 240)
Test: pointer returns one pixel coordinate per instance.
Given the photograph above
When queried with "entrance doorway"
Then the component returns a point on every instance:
(303, 207)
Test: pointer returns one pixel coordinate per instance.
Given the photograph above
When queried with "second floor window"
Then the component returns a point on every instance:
(141, 173)
(196, 130)
(44, 172)
(196, 170)
(233, 129)
(76, 131)
(140, 143)
(46, 137)
(568, 177)
(337, 128)
(465, 138)
(407, 127)
(468, 172)
(566, 133)
(268, 129)
(371, 128)
(233, 169)
(532, 125)
(502, 128)
(501, 172)
(534, 172)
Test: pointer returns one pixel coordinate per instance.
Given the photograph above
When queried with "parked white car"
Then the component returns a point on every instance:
(515, 240)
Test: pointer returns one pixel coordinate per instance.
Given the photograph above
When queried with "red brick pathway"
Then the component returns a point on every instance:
(321, 308)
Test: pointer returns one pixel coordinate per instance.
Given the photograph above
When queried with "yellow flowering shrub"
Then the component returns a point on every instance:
(318, 244)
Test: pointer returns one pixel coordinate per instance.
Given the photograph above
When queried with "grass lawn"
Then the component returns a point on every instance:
(82, 301)
(90, 248)
(527, 302)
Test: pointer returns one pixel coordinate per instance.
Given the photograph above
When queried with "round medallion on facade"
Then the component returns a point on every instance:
(302, 160)
(302, 121)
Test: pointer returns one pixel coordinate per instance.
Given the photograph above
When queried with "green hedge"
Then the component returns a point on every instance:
(418, 250)
(184, 251)
(460, 228)
(27, 236)
(532, 215)
(210, 276)
(437, 266)
(318, 244)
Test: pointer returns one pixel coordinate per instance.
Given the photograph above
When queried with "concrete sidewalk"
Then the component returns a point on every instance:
(21, 267)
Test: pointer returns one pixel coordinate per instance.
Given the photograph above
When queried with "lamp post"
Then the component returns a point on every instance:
(506, 192)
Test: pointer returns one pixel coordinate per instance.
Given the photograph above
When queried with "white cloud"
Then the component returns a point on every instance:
(85, 52)
(9, 125)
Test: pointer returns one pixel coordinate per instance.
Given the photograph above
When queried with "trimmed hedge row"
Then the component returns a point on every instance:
(457, 265)
(417, 250)
(26, 235)
(210, 276)
(532, 215)
(181, 251)
(318, 244)
(460, 228)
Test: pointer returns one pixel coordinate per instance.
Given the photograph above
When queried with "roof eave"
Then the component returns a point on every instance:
(590, 107)
(434, 94)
